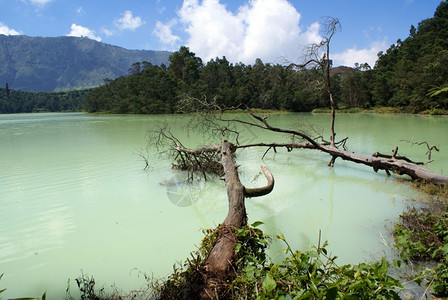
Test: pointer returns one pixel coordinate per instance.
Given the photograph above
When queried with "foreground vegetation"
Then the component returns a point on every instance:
(301, 275)
(421, 237)
(311, 274)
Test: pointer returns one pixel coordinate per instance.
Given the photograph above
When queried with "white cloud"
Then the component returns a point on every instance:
(107, 31)
(40, 2)
(128, 21)
(165, 34)
(78, 30)
(80, 11)
(7, 31)
(266, 29)
(353, 55)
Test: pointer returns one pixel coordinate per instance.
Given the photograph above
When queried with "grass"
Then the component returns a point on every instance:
(438, 193)
(435, 112)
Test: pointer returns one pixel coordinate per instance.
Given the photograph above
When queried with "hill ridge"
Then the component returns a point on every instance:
(65, 63)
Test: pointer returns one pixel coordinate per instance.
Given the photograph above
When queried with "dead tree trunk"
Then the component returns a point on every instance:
(218, 265)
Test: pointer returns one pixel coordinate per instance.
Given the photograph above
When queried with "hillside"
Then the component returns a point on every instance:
(65, 63)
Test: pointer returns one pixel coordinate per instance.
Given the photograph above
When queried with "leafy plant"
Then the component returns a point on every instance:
(437, 90)
(315, 275)
(302, 275)
(423, 236)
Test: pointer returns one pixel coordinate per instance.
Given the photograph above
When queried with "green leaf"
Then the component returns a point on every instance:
(332, 293)
(269, 283)
(397, 263)
(281, 237)
(237, 247)
(383, 267)
(257, 223)
(445, 248)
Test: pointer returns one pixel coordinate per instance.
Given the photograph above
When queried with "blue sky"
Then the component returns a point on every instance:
(243, 30)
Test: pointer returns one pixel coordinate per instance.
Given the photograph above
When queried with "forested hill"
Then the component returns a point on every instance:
(414, 72)
(411, 75)
(65, 63)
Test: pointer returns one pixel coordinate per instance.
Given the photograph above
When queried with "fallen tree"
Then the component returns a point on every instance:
(399, 165)
(219, 159)
(212, 119)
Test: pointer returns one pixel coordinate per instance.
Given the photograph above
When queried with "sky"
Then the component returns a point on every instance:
(276, 31)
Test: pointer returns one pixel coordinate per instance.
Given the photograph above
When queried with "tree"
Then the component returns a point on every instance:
(354, 88)
(185, 65)
(136, 68)
(319, 54)
(7, 91)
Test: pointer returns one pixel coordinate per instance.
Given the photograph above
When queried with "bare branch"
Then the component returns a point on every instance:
(208, 118)
(430, 148)
(144, 155)
(396, 157)
(267, 126)
(279, 145)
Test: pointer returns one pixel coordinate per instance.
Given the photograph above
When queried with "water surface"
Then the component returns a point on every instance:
(74, 196)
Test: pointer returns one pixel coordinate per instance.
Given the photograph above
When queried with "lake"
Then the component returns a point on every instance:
(74, 197)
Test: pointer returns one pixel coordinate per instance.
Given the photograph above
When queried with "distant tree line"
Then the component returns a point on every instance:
(13, 101)
(411, 75)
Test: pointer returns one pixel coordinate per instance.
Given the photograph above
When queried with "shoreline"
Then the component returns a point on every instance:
(381, 110)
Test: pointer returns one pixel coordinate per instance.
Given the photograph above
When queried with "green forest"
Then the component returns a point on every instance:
(14, 101)
(411, 76)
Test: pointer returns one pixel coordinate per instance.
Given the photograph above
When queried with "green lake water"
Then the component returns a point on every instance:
(74, 196)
